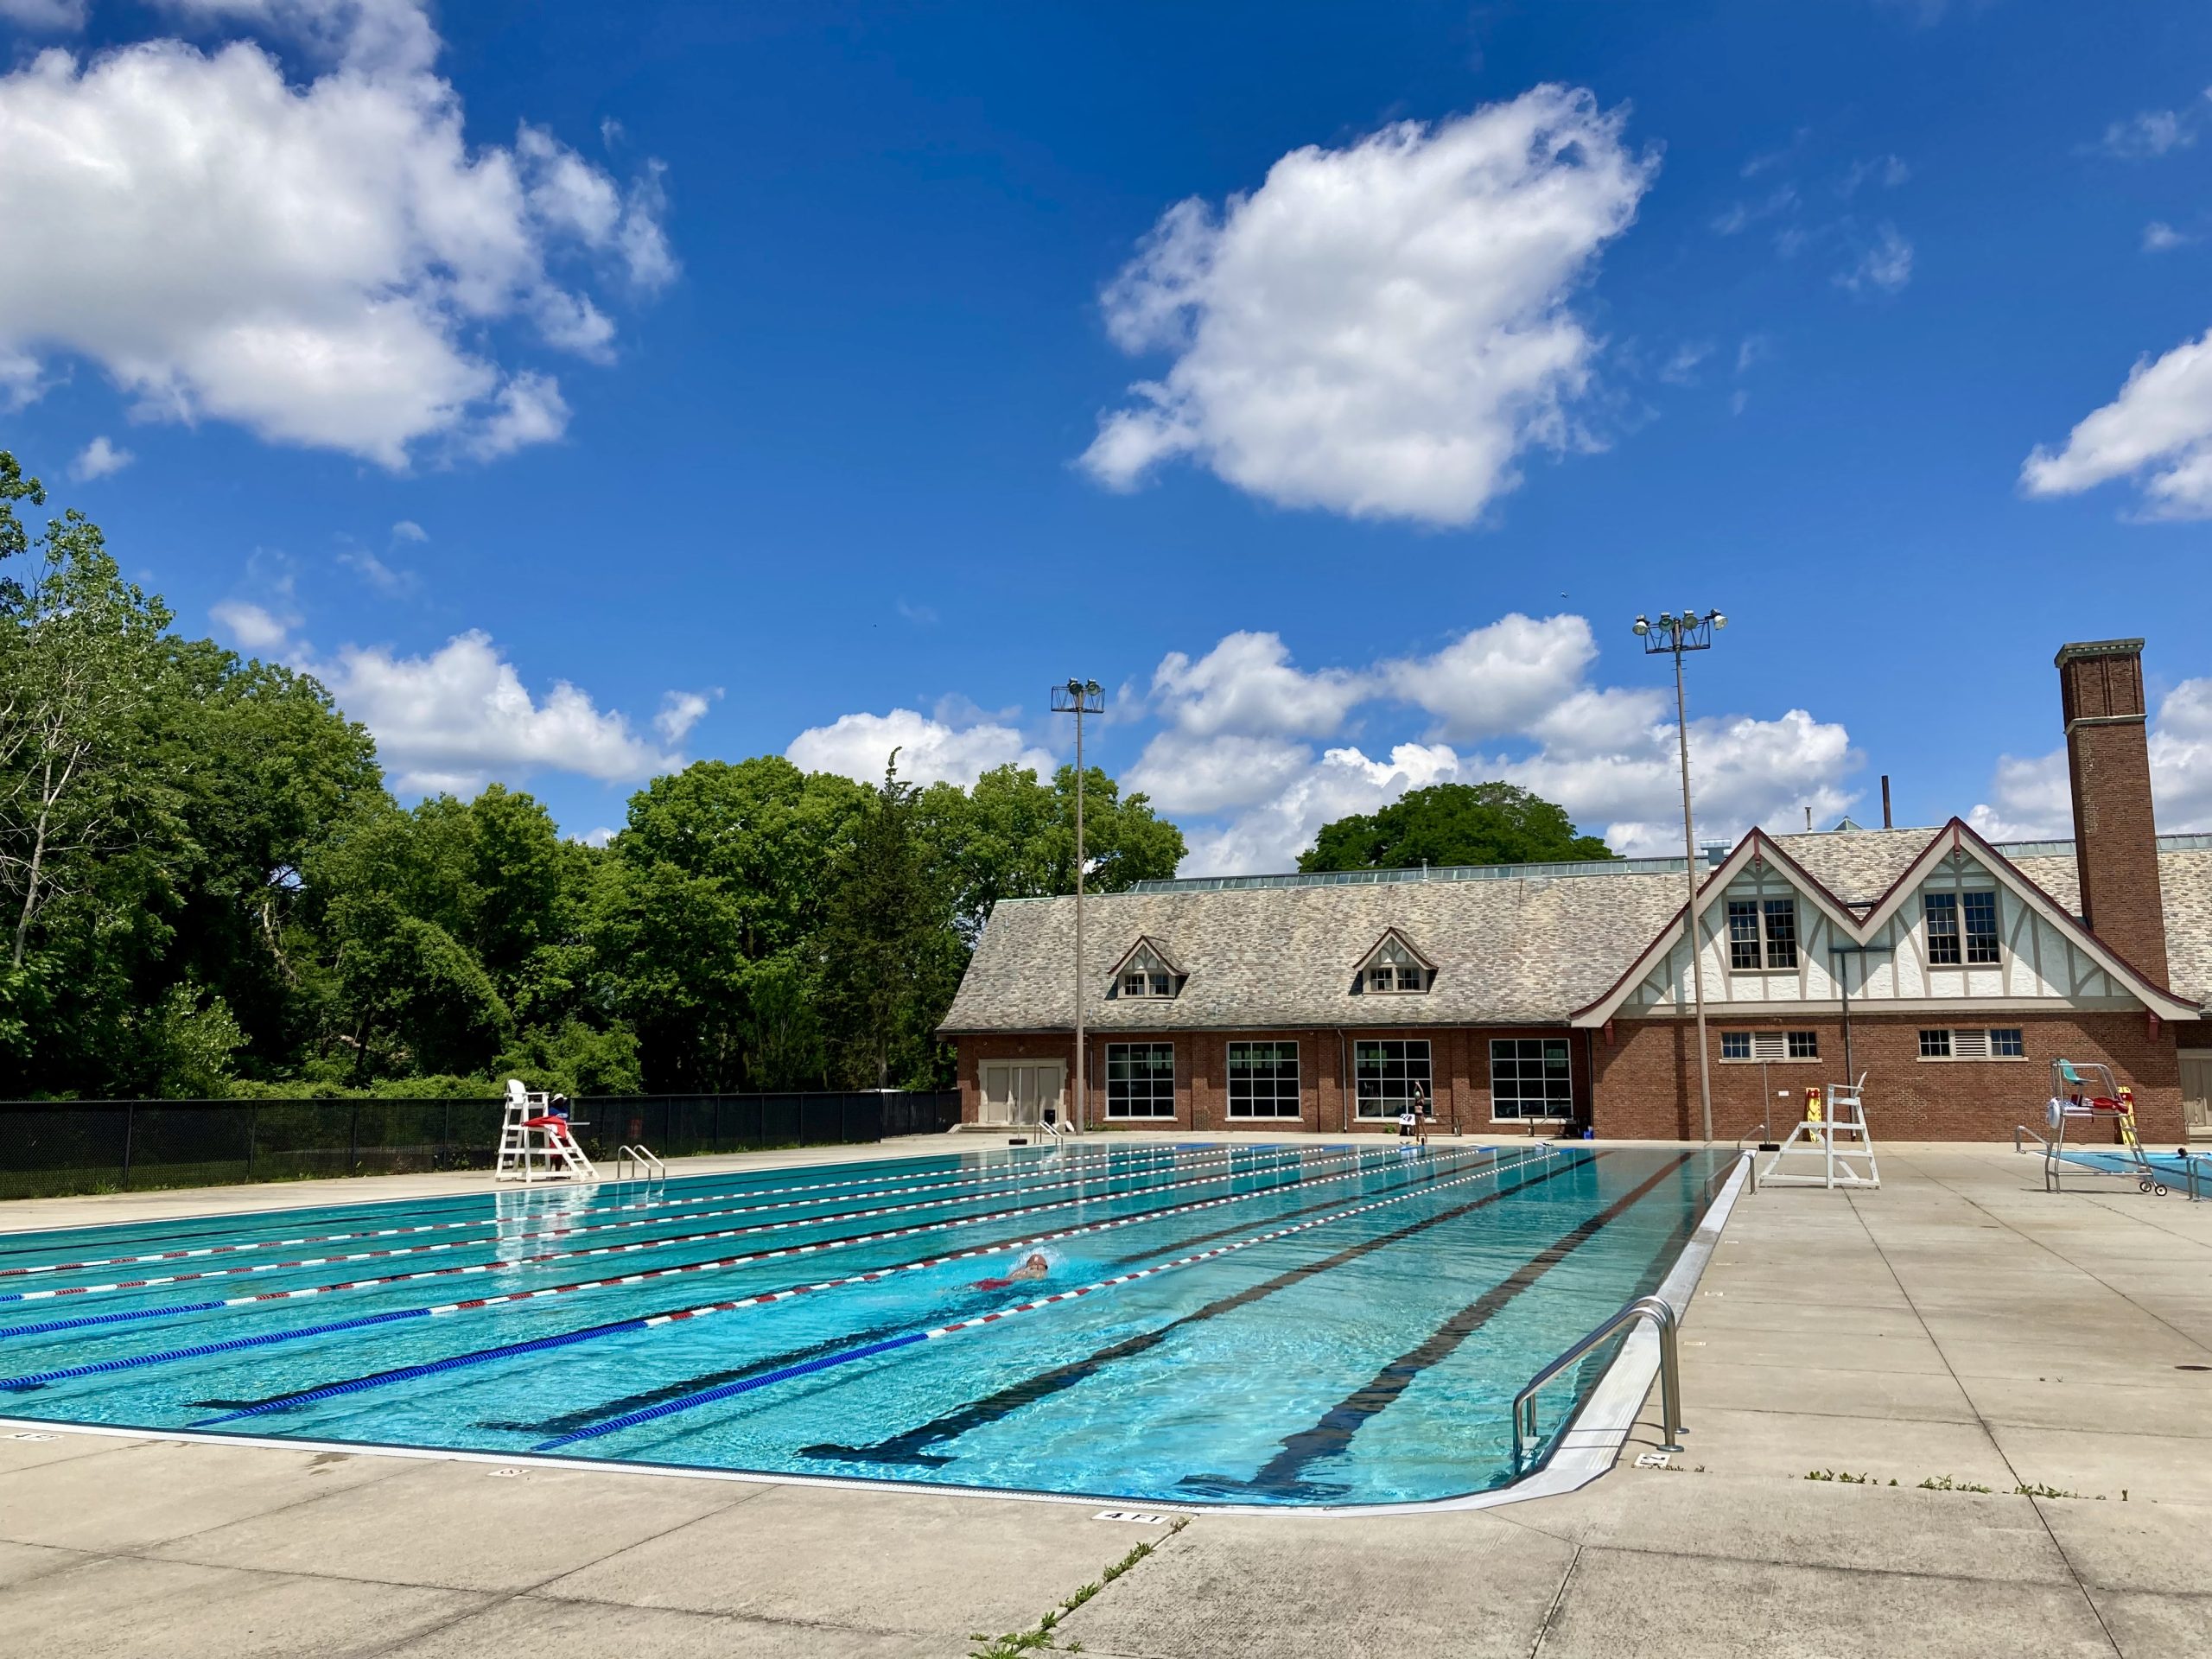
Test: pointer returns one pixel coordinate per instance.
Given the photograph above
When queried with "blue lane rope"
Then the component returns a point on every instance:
(730, 1390)
(84, 1319)
(429, 1368)
(40, 1379)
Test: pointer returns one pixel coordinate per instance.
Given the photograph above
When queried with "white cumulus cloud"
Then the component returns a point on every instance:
(1246, 683)
(55, 16)
(681, 710)
(2031, 798)
(460, 716)
(929, 750)
(251, 626)
(2158, 430)
(100, 459)
(327, 263)
(1606, 753)
(1380, 330)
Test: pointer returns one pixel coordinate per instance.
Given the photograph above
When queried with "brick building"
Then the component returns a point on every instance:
(1948, 969)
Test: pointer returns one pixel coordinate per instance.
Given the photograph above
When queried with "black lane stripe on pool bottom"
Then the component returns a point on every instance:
(909, 1447)
(1283, 1475)
(585, 1418)
(318, 1392)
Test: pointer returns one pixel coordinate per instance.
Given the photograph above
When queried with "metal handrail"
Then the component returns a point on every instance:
(1662, 1314)
(649, 1166)
(2019, 1129)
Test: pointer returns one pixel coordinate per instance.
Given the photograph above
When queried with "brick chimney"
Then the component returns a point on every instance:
(2108, 760)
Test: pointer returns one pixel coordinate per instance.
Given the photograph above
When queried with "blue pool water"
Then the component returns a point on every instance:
(1257, 1325)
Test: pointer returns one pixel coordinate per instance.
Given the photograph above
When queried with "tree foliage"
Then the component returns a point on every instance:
(207, 888)
(1453, 824)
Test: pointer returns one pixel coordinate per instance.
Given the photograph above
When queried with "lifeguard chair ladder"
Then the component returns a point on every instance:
(1837, 1136)
(537, 1143)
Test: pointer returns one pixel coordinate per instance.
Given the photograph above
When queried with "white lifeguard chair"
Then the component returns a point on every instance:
(537, 1142)
(1834, 1133)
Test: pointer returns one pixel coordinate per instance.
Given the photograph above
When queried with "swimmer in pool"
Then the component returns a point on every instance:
(1034, 1266)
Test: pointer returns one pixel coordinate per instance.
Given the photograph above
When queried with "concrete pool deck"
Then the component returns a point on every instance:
(1959, 1326)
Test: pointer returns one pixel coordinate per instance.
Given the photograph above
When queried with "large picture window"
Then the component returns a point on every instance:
(1263, 1079)
(1387, 1072)
(1530, 1077)
(1140, 1079)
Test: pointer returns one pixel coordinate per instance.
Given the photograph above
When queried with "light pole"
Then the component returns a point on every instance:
(1079, 697)
(1674, 635)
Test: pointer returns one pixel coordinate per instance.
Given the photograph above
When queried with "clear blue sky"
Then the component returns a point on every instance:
(822, 453)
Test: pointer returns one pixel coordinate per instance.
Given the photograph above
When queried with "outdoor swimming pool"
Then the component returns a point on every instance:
(1265, 1324)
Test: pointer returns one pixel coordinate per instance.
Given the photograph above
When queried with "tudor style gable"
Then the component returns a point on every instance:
(1392, 967)
(1146, 972)
(1960, 924)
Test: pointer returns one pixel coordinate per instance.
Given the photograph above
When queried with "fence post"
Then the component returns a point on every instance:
(130, 1122)
(354, 1138)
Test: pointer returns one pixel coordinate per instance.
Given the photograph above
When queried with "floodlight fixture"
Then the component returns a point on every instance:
(1672, 636)
(1079, 696)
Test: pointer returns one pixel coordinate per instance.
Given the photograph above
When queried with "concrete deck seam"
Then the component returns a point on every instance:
(1559, 1600)
(2080, 1587)
(2057, 1253)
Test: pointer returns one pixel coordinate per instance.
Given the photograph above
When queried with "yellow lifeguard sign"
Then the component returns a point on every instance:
(1813, 1114)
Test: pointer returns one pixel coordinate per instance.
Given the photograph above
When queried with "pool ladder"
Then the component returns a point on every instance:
(641, 1158)
(1662, 1314)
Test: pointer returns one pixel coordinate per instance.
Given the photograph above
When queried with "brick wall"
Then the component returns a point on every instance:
(1647, 1078)
(1459, 1064)
(2108, 768)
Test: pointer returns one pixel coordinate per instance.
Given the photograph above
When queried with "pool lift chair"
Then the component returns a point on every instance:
(536, 1140)
(1837, 1137)
(2085, 1090)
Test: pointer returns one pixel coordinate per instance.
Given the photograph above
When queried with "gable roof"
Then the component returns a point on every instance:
(1863, 920)
(1404, 943)
(1159, 954)
(1505, 952)
(1540, 948)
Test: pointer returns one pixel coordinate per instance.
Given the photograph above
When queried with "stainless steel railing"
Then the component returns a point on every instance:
(647, 1165)
(1526, 1438)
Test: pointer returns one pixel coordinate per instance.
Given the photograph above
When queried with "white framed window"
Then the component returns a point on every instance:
(1144, 973)
(1263, 1079)
(1771, 1046)
(1389, 1073)
(1762, 935)
(1962, 928)
(1530, 1077)
(1140, 1079)
(1974, 1043)
(1393, 969)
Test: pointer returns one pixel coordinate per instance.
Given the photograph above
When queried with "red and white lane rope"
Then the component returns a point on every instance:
(468, 1269)
(876, 1185)
(1281, 1162)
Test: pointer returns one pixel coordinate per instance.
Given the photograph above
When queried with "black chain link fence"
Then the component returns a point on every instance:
(50, 1148)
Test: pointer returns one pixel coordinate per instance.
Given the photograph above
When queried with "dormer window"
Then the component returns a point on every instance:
(1148, 973)
(1394, 967)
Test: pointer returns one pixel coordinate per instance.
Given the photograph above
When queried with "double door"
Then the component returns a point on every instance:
(1017, 1093)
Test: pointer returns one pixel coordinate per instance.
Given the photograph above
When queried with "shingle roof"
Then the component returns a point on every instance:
(1529, 949)
(1505, 951)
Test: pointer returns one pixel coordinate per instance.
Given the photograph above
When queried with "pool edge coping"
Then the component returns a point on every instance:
(1589, 1448)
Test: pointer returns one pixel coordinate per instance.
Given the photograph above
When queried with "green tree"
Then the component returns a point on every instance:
(1453, 824)
(891, 959)
(1012, 837)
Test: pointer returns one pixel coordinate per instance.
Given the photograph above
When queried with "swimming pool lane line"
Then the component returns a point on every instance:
(911, 1445)
(1283, 1475)
(653, 1413)
(262, 1298)
(1102, 1178)
(507, 1351)
(885, 1184)
(725, 1184)
(567, 1419)
(40, 1379)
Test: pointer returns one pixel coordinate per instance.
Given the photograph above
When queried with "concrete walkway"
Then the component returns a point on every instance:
(1960, 1329)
